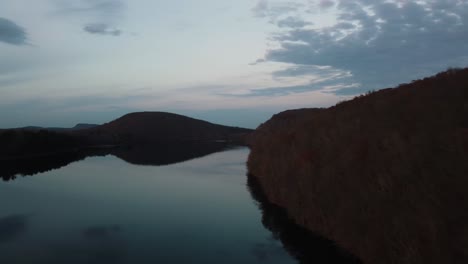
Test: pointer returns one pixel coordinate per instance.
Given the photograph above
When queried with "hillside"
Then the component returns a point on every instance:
(144, 127)
(384, 175)
(21, 143)
(307, 247)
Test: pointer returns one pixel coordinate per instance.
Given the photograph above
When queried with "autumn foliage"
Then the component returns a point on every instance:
(384, 175)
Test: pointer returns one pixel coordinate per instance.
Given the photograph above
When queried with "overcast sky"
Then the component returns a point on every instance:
(230, 62)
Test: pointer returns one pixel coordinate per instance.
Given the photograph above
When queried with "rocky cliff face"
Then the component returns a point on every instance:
(384, 175)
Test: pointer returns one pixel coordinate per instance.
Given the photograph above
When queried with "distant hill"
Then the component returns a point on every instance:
(384, 175)
(144, 127)
(83, 126)
(76, 127)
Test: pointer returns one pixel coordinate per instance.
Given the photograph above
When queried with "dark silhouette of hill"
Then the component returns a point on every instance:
(59, 129)
(144, 127)
(152, 155)
(153, 129)
(147, 138)
(384, 175)
(21, 143)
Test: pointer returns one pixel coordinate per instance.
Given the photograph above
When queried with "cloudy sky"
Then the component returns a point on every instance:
(230, 62)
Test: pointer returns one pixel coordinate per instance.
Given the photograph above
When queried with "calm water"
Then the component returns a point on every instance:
(105, 210)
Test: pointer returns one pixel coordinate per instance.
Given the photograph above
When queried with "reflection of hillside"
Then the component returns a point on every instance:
(9, 169)
(167, 153)
(300, 243)
(155, 154)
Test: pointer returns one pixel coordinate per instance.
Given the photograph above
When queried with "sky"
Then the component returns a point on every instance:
(64, 62)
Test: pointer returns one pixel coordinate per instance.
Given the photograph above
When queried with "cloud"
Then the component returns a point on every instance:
(277, 91)
(11, 33)
(290, 79)
(320, 79)
(275, 11)
(327, 86)
(101, 29)
(261, 8)
(257, 61)
(103, 16)
(311, 70)
(97, 8)
(380, 43)
(292, 22)
(324, 4)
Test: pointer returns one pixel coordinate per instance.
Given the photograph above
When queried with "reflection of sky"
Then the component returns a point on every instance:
(12, 226)
(103, 210)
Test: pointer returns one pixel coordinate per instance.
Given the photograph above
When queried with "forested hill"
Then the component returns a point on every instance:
(384, 175)
(143, 127)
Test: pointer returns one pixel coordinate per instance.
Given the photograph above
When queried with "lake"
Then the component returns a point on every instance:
(190, 203)
(105, 210)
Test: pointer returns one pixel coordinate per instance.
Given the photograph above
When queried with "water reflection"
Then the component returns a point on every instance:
(303, 245)
(267, 251)
(165, 154)
(154, 154)
(194, 212)
(12, 226)
(101, 232)
(103, 245)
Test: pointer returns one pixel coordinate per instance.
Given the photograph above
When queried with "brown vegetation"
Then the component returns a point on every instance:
(385, 175)
(307, 247)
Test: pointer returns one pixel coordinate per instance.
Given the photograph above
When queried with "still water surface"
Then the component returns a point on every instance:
(105, 210)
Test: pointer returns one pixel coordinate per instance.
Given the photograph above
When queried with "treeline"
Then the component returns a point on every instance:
(18, 143)
(305, 246)
(155, 127)
(142, 128)
(384, 175)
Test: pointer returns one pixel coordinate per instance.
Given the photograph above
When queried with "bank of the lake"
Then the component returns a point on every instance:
(383, 175)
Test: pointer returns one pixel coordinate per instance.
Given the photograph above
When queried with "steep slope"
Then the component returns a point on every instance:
(384, 175)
